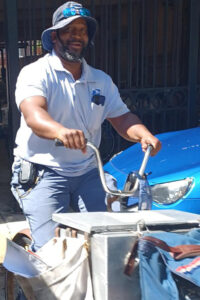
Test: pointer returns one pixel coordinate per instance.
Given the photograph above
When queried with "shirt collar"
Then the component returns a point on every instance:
(86, 69)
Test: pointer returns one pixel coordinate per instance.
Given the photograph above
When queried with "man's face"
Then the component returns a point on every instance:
(71, 41)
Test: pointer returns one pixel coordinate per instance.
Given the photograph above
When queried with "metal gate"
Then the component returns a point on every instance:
(151, 49)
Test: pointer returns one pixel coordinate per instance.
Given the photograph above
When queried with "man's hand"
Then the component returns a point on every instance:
(72, 138)
(151, 140)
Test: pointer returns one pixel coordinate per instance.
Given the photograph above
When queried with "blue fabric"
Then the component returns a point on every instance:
(55, 194)
(155, 279)
(158, 266)
(143, 195)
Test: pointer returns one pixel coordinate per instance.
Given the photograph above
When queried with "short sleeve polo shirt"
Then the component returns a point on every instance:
(70, 103)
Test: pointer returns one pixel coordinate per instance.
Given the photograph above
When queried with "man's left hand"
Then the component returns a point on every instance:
(151, 140)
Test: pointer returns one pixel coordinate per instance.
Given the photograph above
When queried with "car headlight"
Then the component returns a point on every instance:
(170, 192)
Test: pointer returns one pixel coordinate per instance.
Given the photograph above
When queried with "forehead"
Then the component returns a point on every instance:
(78, 22)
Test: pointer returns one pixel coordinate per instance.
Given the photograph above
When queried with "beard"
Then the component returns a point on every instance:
(70, 55)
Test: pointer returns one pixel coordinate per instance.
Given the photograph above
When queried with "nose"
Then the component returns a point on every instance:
(76, 32)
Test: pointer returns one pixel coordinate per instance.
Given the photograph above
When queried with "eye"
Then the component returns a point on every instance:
(71, 30)
(84, 31)
(66, 30)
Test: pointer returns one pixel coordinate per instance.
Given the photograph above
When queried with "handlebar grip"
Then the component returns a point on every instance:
(145, 160)
(149, 148)
(58, 143)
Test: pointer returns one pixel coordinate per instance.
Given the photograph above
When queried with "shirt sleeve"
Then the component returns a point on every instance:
(30, 82)
(115, 107)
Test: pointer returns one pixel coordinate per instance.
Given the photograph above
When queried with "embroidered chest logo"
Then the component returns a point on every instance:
(97, 98)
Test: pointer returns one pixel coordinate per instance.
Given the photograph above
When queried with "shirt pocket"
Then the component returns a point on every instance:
(96, 117)
(97, 108)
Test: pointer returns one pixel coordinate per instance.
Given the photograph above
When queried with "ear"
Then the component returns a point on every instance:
(53, 36)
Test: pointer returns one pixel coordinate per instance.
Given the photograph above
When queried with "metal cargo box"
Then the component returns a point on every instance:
(111, 237)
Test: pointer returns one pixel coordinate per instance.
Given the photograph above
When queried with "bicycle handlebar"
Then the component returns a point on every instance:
(120, 193)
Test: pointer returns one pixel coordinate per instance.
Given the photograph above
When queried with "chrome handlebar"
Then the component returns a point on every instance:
(121, 193)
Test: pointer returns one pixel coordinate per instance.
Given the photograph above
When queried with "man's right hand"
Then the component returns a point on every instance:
(73, 139)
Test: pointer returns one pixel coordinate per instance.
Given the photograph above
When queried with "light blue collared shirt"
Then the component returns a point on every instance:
(69, 103)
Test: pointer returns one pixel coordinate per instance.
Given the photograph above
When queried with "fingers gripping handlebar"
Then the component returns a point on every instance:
(121, 193)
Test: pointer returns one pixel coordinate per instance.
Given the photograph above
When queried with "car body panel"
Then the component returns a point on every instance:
(178, 159)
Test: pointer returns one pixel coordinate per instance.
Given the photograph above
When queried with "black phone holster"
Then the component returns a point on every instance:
(27, 173)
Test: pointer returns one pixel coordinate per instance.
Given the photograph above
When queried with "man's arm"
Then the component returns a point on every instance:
(130, 127)
(34, 110)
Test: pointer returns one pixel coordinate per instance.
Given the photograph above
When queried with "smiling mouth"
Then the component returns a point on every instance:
(75, 45)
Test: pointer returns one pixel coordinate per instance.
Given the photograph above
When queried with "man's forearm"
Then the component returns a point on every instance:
(135, 132)
(130, 127)
(35, 112)
(43, 125)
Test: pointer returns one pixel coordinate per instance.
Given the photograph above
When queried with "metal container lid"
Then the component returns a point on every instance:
(109, 221)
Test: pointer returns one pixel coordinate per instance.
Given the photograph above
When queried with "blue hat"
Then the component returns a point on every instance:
(64, 15)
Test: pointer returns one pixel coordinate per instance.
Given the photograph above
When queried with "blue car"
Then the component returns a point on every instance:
(173, 174)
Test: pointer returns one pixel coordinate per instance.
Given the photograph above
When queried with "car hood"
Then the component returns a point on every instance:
(179, 158)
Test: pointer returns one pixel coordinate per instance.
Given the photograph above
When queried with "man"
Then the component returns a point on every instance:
(61, 97)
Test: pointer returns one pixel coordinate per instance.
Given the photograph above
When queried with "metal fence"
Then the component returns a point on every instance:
(149, 47)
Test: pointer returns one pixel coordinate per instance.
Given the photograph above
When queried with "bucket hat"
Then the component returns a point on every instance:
(64, 15)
